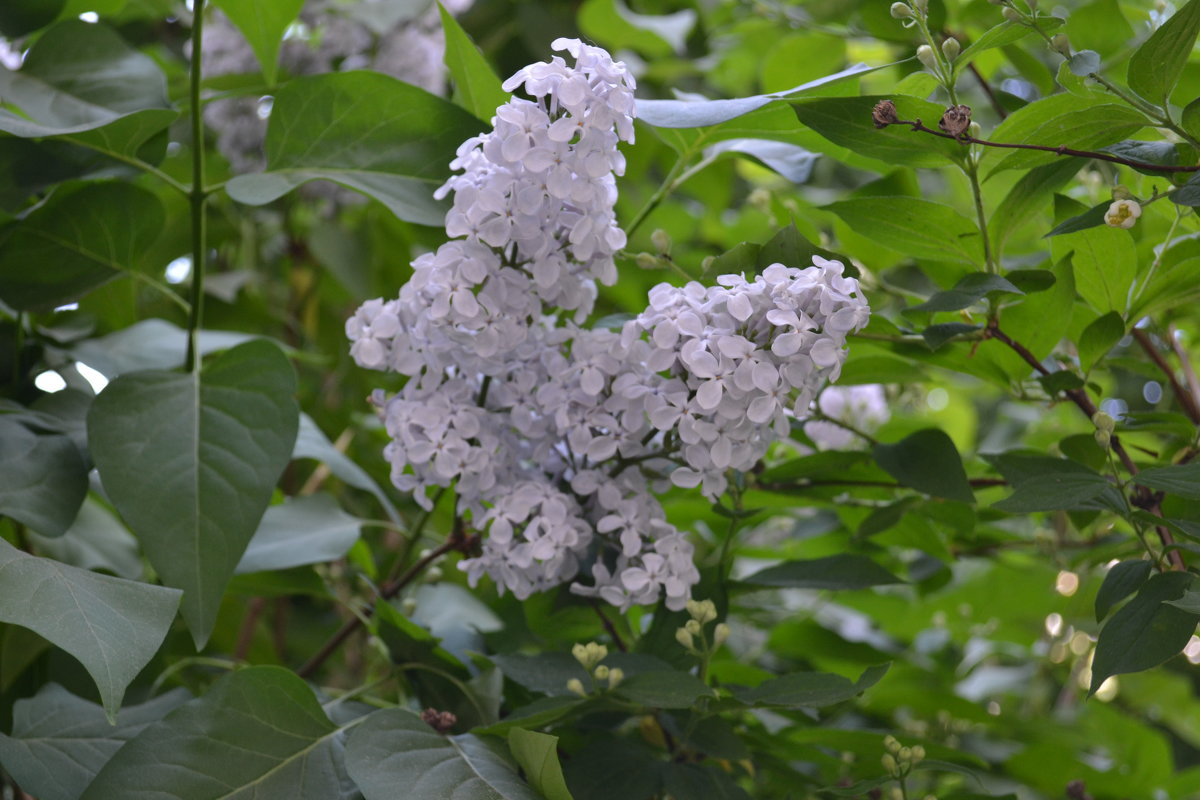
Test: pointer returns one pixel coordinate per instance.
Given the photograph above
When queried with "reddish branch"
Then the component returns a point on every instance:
(1142, 497)
(1186, 399)
(885, 115)
(458, 540)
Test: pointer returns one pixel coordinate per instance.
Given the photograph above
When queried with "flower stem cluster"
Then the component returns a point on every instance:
(558, 438)
(589, 657)
(899, 760)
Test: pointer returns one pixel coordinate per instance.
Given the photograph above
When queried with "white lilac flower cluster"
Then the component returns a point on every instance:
(558, 438)
(329, 35)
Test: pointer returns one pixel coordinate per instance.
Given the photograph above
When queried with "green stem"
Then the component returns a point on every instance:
(198, 195)
(136, 163)
(1140, 286)
(673, 179)
(972, 172)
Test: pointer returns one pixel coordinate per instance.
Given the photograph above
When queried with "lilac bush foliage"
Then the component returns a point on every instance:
(557, 438)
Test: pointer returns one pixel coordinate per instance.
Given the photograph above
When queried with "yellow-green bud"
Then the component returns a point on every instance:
(1061, 44)
(661, 240)
(974, 130)
(926, 56)
(901, 11)
(918, 754)
(1012, 15)
(684, 637)
(615, 676)
(1104, 422)
(889, 763)
(703, 611)
(647, 261)
(905, 755)
(720, 634)
(409, 606)
(601, 673)
(951, 48)
(575, 686)
(890, 744)
(589, 655)
(693, 627)
(1103, 438)
(1121, 192)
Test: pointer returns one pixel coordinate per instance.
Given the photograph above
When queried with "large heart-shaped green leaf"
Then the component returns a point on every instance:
(113, 626)
(368, 132)
(257, 733)
(394, 748)
(83, 83)
(79, 240)
(59, 741)
(190, 461)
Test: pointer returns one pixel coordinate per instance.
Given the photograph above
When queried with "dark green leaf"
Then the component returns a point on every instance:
(1005, 33)
(1188, 194)
(607, 769)
(921, 229)
(969, 290)
(1190, 602)
(1182, 480)
(80, 240)
(190, 460)
(96, 540)
(302, 530)
(113, 626)
(1061, 381)
(59, 741)
(43, 478)
(19, 17)
(789, 247)
(1146, 631)
(258, 732)
(549, 672)
(363, 130)
(926, 461)
(937, 335)
(846, 121)
(263, 23)
(663, 689)
(537, 753)
(476, 87)
(543, 712)
(1122, 580)
(810, 689)
(1089, 219)
(1155, 67)
(1100, 336)
(841, 571)
(830, 463)
(700, 782)
(1042, 483)
(1164, 153)
(394, 751)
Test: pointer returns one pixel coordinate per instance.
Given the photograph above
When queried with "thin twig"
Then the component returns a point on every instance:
(811, 483)
(1186, 400)
(1061, 150)
(1143, 498)
(249, 622)
(609, 627)
(1185, 362)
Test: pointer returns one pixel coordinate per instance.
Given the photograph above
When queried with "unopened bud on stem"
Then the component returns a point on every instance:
(951, 48)
(901, 11)
(926, 56)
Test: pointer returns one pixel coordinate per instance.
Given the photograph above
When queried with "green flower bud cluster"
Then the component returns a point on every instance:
(899, 760)
(589, 657)
(692, 636)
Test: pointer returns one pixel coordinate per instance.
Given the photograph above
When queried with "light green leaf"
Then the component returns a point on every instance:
(257, 733)
(191, 460)
(1099, 337)
(263, 23)
(366, 131)
(537, 753)
(394, 748)
(1155, 67)
(1029, 197)
(841, 571)
(113, 626)
(1182, 480)
(59, 741)
(302, 530)
(929, 462)
(810, 689)
(1174, 286)
(1146, 631)
(476, 87)
(914, 226)
(43, 478)
(1105, 262)
(614, 25)
(1079, 122)
(80, 240)
(1005, 33)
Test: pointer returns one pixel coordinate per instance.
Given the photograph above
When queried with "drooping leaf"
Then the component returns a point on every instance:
(80, 240)
(1182, 480)
(1155, 67)
(263, 23)
(537, 753)
(1122, 580)
(810, 689)
(1042, 483)
(394, 748)
(43, 478)
(1100, 336)
(258, 732)
(926, 461)
(841, 571)
(846, 121)
(1006, 33)
(389, 140)
(303, 530)
(1089, 219)
(113, 626)
(476, 87)
(663, 689)
(190, 461)
(1146, 631)
(59, 741)
(311, 442)
(937, 335)
(969, 290)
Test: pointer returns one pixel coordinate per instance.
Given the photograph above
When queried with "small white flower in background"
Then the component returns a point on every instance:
(1122, 213)
(557, 438)
(865, 407)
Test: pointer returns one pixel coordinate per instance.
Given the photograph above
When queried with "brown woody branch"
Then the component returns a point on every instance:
(1142, 497)
(885, 115)
(1186, 399)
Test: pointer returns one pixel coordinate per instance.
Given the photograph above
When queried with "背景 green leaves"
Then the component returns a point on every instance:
(263, 23)
(113, 626)
(190, 461)
(476, 87)
(366, 131)
(1155, 67)
(43, 477)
